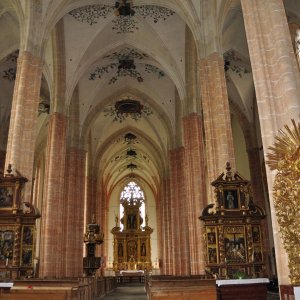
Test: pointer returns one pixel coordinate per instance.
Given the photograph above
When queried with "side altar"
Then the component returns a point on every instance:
(233, 229)
(17, 229)
(132, 248)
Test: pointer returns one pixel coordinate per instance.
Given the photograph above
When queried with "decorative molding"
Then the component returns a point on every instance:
(285, 158)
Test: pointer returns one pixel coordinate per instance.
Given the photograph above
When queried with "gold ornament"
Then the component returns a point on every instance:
(285, 158)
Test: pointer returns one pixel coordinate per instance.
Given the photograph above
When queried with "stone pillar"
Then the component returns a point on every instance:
(196, 189)
(277, 84)
(51, 254)
(24, 113)
(74, 212)
(180, 236)
(216, 114)
(167, 245)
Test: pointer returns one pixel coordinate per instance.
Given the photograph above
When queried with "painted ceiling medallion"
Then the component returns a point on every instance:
(130, 138)
(11, 71)
(132, 166)
(126, 13)
(125, 66)
(234, 63)
(127, 108)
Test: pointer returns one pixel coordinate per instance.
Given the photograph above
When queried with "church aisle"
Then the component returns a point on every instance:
(128, 292)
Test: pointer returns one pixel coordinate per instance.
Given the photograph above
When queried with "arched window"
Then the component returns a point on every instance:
(297, 45)
(132, 192)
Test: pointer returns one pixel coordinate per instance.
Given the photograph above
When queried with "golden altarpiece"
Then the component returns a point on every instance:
(132, 248)
(233, 232)
(17, 229)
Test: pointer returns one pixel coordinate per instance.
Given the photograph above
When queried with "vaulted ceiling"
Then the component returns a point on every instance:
(113, 54)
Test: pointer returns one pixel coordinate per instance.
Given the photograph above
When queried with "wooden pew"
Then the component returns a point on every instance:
(64, 289)
(180, 288)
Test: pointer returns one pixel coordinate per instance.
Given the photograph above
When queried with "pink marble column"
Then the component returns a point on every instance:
(216, 115)
(74, 212)
(277, 85)
(196, 189)
(166, 228)
(24, 113)
(51, 254)
(180, 259)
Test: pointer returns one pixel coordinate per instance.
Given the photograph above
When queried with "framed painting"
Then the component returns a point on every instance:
(212, 255)
(6, 196)
(231, 198)
(257, 254)
(26, 257)
(27, 235)
(235, 246)
(6, 244)
(256, 234)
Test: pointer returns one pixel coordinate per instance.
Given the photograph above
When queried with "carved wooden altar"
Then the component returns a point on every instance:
(17, 229)
(132, 248)
(233, 233)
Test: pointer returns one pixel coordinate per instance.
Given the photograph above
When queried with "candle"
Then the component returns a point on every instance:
(6, 263)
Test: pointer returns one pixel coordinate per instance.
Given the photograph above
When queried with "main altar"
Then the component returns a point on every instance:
(132, 248)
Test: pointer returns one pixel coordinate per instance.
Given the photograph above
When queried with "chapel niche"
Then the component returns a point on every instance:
(233, 230)
(132, 248)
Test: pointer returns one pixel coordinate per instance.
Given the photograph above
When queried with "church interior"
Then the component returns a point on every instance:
(151, 140)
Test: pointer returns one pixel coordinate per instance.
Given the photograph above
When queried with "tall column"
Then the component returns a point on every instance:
(277, 85)
(51, 259)
(74, 200)
(216, 114)
(196, 189)
(24, 113)
(74, 212)
(180, 236)
(167, 245)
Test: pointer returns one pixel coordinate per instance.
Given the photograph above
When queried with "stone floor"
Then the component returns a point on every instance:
(273, 296)
(137, 292)
(128, 292)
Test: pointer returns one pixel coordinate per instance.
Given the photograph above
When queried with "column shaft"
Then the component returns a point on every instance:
(74, 212)
(196, 190)
(51, 259)
(216, 114)
(180, 236)
(277, 84)
(24, 113)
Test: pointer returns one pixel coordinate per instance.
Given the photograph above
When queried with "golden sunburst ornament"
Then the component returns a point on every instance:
(285, 158)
